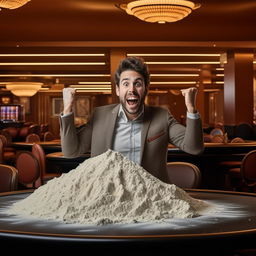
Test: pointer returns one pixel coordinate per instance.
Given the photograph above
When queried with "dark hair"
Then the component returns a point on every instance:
(133, 63)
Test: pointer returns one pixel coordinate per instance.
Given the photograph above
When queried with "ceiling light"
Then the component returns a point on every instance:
(12, 4)
(160, 11)
(23, 89)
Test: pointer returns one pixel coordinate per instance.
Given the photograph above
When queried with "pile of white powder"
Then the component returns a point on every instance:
(105, 189)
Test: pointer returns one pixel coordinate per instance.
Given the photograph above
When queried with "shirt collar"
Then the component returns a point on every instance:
(122, 114)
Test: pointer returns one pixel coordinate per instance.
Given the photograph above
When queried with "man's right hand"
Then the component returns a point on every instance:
(68, 99)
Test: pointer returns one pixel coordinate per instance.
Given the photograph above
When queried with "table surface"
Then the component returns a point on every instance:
(42, 143)
(235, 215)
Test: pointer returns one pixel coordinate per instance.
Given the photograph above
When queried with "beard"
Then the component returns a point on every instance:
(133, 107)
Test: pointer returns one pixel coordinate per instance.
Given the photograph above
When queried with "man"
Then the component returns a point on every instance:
(142, 133)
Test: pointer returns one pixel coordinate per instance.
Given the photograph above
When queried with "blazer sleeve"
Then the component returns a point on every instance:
(74, 141)
(188, 138)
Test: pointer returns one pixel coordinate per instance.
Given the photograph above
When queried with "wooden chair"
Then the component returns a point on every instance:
(28, 169)
(244, 177)
(8, 178)
(183, 174)
(39, 154)
(33, 137)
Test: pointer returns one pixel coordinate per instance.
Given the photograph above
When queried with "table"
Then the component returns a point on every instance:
(213, 177)
(64, 164)
(214, 153)
(48, 146)
(232, 226)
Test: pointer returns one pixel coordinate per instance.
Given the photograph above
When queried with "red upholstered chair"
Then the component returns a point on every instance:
(184, 175)
(38, 152)
(8, 178)
(8, 154)
(237, 140)
(244, 177)
(48, 136)
(34, 128)
(28, 169)
(33, 137)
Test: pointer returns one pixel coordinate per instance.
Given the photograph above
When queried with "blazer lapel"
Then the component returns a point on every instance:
(109, 130)
(146, 122)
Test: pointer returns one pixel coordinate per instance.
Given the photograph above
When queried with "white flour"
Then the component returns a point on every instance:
(105, 189)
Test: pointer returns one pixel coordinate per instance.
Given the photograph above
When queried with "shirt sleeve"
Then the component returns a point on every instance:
(69, 114)
(193, 115)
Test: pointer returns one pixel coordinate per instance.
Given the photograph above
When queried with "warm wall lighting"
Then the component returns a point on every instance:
(55, 75)
(23, 89)
(12, 4)
(181, 62)
(173, 75)
(174, 54)
(52, 54)
(50, 63)
(160, 11)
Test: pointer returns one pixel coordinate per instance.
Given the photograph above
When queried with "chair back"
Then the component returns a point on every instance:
(39, 153)
(4, 140)
(48, 136)
(248, 167)
(34, 128)
(8, 178)
(1, 152)
(28, 168)
(183, 174)
(218, 138)
(33, 137)
(237, 140)
(244, 131)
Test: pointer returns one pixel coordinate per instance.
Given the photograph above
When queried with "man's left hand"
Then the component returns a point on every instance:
(190, 99)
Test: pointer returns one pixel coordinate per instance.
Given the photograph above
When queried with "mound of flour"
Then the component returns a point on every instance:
(108, 188)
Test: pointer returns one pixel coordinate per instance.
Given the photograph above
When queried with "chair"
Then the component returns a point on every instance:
(48, 136)
(38, 152)
(244, 131)
(8, 178)
(244, 177)
(218, 138)
(237, 140)
(34, 128)
(28, 169)
(33, 137)
(184, 175)
(8, 153)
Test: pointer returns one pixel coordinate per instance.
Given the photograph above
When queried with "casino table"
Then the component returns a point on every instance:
(232, 225)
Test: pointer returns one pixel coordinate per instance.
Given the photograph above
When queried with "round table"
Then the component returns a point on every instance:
(232, 225)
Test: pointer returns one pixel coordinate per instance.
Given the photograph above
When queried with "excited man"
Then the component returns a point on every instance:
(140, 132)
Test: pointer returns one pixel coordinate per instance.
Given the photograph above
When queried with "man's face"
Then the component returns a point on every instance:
(131, 92)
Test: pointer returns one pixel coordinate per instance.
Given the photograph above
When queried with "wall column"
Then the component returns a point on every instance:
(116, 55)
(238, 88)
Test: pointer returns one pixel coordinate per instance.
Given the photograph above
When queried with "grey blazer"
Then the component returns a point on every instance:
(158, 130)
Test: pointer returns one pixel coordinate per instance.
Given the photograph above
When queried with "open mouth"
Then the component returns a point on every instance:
(132, 101)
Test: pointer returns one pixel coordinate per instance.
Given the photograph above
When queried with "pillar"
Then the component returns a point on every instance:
(116, 55)
(238, 88)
